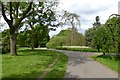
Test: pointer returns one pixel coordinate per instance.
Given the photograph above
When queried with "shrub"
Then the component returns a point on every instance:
(5, 41)
(5, 45)
(82, 49)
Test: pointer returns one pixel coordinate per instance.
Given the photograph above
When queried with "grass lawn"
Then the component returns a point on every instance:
(32, 64)
(108, 61)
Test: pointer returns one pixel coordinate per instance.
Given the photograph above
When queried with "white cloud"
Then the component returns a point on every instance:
(89, 9)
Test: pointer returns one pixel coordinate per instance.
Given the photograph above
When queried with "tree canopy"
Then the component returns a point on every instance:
(18, 13)
(104, 37)
(64, 39)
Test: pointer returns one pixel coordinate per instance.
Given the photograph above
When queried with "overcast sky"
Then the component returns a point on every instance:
(88, 10)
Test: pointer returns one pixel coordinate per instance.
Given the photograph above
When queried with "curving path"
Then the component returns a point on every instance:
(81, 66)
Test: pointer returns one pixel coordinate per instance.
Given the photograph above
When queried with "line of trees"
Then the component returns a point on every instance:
(104, 37)
(37, 17)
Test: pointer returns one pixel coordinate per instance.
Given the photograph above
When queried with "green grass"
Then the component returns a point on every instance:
(108, 61)
(32, 64)
(58, 71)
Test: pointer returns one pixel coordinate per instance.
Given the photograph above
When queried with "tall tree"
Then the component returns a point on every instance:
(73, 20)
(44, 17)
(91, 39)
(97, 22)
(14, 13)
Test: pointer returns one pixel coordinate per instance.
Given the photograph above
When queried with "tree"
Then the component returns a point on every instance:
(24, 38)
(106, 36)
(73, 20)
(17, 12)
(112, 27)
(96, 39)
(59, 39)
(74, 38)
(91, 35)
(41, 35)
(63, 39)
(97, 22)
(44, 18)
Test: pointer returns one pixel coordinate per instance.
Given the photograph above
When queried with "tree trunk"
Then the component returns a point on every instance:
(98, 48)
(104, 53)
(13, 44)
(33, 41)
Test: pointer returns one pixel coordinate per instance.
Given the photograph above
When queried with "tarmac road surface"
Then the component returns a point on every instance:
(81, 66)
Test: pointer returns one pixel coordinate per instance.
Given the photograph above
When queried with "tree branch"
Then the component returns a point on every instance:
(11, 12)
(26, 11)
(4, 16)
(17, 6)
(29, 14)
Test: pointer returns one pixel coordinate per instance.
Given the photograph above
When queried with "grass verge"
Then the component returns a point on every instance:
(108, 61)
(31, 64)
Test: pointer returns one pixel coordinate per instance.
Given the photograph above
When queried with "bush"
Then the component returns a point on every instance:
(77, 49)
(5, 45)
(56, 41)
(5, 42)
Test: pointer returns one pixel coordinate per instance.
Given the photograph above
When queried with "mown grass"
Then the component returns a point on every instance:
(108, 61)
(58, 71)
(32, 64)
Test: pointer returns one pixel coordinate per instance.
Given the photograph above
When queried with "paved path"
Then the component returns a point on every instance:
(81, 66)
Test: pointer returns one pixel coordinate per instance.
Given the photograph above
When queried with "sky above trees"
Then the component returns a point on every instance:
(88, 10)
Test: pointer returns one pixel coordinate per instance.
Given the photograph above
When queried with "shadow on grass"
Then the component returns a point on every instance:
(104, 56)
(34, 73)
(29, 52)
(24, 76)
(108, 56)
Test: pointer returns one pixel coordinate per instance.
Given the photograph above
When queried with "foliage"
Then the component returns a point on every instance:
(5, 42)
(70, 18)
(64, 38)
(56, 41)
(17, 12)
(40, 21)
(41, 37)
(59, 39)
(108, 35)
(64, 32)
(21, 13)
(89, 34)
(24, 38)
(77, 49)
(32, 64)
(89, 37)
(104, 37)
(75, 38)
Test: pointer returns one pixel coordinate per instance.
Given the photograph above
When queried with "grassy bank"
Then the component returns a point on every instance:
(108, 61)
(32, 64)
